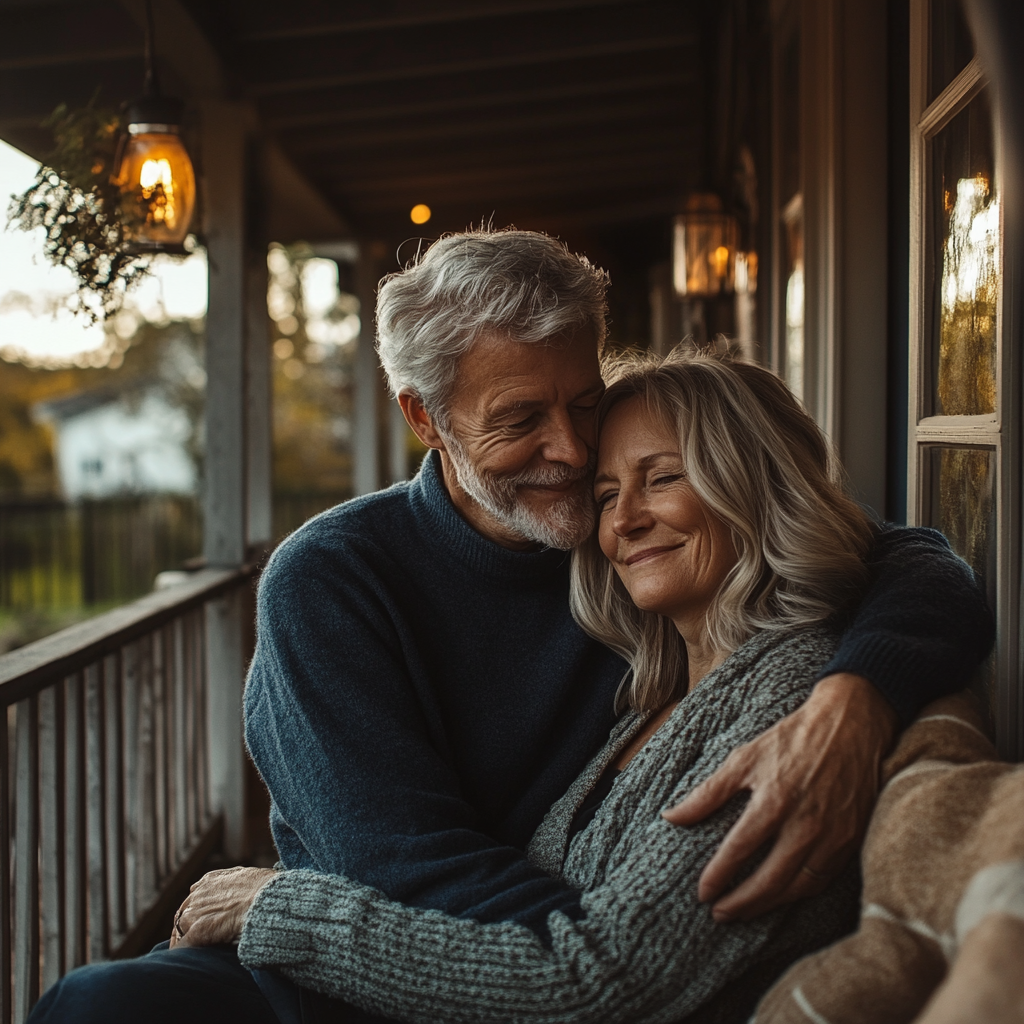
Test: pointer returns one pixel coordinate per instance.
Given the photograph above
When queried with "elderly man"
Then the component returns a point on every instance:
(420, 693)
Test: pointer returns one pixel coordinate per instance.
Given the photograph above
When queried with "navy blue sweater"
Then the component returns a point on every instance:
(420, 696)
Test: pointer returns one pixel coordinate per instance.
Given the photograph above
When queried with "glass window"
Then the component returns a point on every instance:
(794, 335)
(951, 45)
(960, 501)
(964, 272)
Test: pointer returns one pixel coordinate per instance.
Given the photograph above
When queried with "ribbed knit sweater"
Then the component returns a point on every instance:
(646, 949)
(419, 696)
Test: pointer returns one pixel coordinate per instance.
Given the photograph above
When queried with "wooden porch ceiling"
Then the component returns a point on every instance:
(540, 112)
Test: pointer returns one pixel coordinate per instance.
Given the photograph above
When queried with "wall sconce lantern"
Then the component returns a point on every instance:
(704, 249)
(154, 172)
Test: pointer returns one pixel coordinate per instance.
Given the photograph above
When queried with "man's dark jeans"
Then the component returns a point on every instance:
(167, 986)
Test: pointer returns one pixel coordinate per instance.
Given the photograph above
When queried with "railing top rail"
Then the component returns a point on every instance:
(37, 665)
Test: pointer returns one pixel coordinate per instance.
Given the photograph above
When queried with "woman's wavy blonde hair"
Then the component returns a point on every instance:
(760, 463)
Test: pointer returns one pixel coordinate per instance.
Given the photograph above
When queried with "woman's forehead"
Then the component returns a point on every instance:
(633, 431)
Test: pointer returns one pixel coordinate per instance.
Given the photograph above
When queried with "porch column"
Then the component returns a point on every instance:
(366, 381)
(225, 493)
(259, 394)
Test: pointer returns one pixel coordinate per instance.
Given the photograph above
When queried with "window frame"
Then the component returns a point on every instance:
(997, 430)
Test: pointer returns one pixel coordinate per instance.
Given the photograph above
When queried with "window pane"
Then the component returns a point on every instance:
(964, 265)
(793, 357)
(951, 45)
(960, 501)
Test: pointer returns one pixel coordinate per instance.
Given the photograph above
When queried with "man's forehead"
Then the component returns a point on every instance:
(498, 369)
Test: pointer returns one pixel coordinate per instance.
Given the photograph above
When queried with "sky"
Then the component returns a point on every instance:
(36, 325)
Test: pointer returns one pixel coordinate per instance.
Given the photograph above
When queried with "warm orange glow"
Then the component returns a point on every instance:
(420, 213)
(720, 261)
(704, 249)
(159, 187)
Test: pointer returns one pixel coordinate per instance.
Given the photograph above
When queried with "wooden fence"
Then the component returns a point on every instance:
(105, 803)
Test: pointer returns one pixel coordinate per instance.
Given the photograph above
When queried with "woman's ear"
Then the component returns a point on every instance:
(419, 419)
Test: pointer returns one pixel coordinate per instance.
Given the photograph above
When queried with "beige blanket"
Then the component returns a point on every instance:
(945, 850)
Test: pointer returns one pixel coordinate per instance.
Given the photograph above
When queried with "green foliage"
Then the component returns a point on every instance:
(75, 200)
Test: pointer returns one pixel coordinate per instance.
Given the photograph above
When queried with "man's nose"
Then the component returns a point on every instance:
(562, 443)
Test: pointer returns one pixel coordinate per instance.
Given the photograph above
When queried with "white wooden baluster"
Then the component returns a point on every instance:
(74, 823)
(134, 820)
(95, 812)
(51, 830)
(26, 863)
(114, 801)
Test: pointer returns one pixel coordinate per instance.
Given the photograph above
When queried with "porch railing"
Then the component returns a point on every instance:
(105, 802)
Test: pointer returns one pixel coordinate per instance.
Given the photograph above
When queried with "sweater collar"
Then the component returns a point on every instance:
(445, 529)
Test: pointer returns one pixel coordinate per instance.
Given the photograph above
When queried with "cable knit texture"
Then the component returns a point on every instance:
(646, 950)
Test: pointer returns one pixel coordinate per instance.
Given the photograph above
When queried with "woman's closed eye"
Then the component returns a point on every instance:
(667, 478)
(606, 500)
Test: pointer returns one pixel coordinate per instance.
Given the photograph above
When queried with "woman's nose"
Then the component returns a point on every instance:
(630, 513)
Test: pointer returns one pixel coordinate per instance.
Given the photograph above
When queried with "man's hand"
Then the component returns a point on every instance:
(813, 780)
(215, 908)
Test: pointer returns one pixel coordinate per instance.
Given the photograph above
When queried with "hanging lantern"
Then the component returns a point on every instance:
(155, 176)
(154, 172)
(704, 249)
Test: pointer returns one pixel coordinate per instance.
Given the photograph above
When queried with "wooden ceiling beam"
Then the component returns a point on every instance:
(47, 36)
(539, 150)
(618, 166)
(380, 103)
(78, 56)
(442, 131)
(402, 72)
(279, 23)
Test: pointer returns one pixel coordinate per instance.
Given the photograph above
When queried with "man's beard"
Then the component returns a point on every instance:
(564, 524)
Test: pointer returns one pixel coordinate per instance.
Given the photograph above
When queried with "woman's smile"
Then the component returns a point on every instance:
(647, 554)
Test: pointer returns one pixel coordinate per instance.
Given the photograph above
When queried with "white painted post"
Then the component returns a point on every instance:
(365, 381)
(226, 495)
(258, 398)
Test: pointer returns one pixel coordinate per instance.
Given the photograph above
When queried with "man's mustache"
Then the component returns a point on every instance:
(555, 475)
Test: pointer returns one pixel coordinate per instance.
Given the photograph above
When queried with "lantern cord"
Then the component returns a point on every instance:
(152, 85)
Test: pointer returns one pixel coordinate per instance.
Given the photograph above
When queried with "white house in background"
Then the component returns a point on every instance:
(109, 443)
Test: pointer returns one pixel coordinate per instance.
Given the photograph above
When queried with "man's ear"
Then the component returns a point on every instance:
(419, 419)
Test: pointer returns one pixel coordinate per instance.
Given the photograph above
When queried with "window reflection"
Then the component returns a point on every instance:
(794, 338)
(960, 501)
(961, 504)
(951, 45)
(966, 265)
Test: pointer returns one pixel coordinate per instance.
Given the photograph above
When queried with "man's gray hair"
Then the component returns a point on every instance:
(524, 285)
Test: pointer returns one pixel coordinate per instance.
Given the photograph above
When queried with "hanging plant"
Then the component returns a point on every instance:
(75, 199)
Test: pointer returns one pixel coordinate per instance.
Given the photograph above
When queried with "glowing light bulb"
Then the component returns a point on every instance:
(157, 184)
(420, 213)
(720, 261)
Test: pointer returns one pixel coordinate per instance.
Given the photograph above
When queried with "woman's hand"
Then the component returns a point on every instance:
(215, 908)
(813, 780)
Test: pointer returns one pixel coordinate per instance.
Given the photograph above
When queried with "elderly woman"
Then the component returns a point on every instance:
(726, 552)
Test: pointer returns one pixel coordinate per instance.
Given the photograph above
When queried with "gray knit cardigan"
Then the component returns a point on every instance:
(646, 950)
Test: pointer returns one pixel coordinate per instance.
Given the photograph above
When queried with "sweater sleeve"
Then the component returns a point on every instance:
(329, 680)
(924, 625)
(645, 951)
